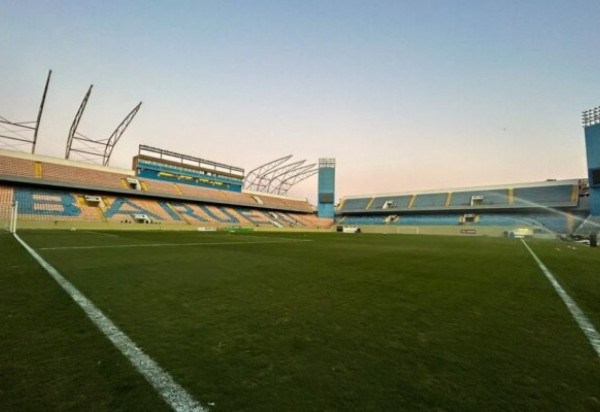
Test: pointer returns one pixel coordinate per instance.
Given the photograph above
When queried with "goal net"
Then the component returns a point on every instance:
(8, 217)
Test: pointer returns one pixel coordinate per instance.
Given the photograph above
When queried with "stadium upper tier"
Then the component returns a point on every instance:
(58, 173)
(563, 193)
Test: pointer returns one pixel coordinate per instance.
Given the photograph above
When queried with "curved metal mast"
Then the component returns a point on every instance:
(15, 134)
(85, 146)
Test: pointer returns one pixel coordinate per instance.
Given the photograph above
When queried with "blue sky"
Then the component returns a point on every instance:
(406, 95)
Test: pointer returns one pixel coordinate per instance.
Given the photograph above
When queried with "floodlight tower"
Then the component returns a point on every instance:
(591, 126)
(326, 188)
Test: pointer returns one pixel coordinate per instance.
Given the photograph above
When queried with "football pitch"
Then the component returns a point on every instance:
(299, 322)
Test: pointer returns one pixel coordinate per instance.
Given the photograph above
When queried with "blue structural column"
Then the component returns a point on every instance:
(591, 124)
(326, 188)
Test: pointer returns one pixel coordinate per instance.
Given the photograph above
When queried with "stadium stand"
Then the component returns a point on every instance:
(309, 220)
(480, 198)
(158, 186)
(47, 204)
(502, 220)
(555, 223)
(547, 207)
(546, 196)
(6, 195)
(206, 193)
(118, 209)
(430, 200)
(391, 202)
(72, 174)
(356, 204)
(39, 204)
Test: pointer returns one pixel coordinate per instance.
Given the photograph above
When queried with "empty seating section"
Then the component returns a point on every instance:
(245, 199)
(546, 194)
(503, 220)
(118, 209)
(6, 195)
(553, 222)
(430, 200)
(356, 204)
(556, 223)
(89, 177)
(310, 220)
(269, 201)
(17, 167)
(300, 205)
(59, 205)
(397, 202)
(540, 196)
(480, 198)
(36, 204)
(275, 202)
(157, 186)
(228, 196)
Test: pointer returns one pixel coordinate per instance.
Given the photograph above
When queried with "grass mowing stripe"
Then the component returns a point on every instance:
(175, 395)
(174, 244)
(584, 323)
(262, 237)
(100, 234)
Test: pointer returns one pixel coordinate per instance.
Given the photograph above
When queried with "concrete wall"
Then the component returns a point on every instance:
(69, 225)
(435, 230)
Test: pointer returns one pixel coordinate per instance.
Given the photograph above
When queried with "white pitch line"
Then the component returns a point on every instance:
(171, 244)
(100, 234)
(584, 323)
(263, 237)
(174, 394)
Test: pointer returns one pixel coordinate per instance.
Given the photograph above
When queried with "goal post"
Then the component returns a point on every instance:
(8, 216)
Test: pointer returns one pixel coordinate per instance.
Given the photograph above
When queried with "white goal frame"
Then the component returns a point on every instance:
(8, 216)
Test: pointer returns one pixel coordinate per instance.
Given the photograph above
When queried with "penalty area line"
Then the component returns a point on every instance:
(584, 323)
(173, 244)
(174, 394)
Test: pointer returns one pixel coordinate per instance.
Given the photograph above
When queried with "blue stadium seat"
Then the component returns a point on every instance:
(398, 202)
(46, 202)
(543, 196)
(430, 200)
(489, 197)
(356, 204)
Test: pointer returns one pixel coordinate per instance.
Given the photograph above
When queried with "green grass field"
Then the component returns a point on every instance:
(299, 322)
